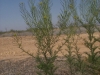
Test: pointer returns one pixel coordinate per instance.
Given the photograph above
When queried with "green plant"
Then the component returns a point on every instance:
(69, 29)
(39, 20)
(88, 20)
(89, 14)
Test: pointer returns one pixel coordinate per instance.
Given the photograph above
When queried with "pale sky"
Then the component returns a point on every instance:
(10, 16)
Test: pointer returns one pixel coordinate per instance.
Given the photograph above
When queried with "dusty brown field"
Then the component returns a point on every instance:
(15, 62)
(10, 50)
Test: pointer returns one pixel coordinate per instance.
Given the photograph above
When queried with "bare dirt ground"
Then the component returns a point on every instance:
(9, 49)
(9, 52)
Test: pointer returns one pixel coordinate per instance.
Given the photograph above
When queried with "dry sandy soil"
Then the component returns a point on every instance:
(9, 49)
(22, 63)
